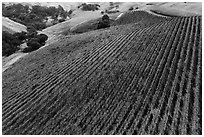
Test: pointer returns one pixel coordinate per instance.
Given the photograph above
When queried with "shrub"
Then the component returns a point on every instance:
(104, 23)
(61, 20)
(30, 29)
(131, 8)
(70, 12)
(42, 38)
(112, 11)
(105, 17)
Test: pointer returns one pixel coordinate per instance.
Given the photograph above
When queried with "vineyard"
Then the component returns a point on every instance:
(138, 16)
(143, 81)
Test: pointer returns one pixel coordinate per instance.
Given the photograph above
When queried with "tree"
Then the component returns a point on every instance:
(105, 17)
(70, 12)
(35, 43)
(36, 9)
(131, 8)
(10, 44)
(20, 35)
(42, 38)
(31, 31)
(104, 23)
(60, 8)
(32, 44)
(61, 20)
(8, 49)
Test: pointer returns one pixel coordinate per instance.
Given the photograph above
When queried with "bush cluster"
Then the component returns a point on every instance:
(104, 23)
(11, 42)
(89, 7)
(131, 8)
(34, 41)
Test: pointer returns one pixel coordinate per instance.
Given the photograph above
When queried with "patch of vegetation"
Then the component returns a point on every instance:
(150, 3)
(104, 23)
(111, 11)
(111, 3)
(32, 44)
(91, 25)
(131, 8)
(89, 7)
(34, 41)
(36, 15)
(11, 42)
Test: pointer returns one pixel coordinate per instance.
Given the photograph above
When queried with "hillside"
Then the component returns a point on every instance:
(140, 76)
(12, 26)
(169, 9)
(67, 25)
(178, 9)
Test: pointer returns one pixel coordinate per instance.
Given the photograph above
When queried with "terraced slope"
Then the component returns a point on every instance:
(147, 81)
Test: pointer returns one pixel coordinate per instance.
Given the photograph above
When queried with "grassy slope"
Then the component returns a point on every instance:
(79, 17)
(91, 24)
(64, 27)
(12, 26)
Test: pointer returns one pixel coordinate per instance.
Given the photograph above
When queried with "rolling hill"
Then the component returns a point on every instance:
(140, 76)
